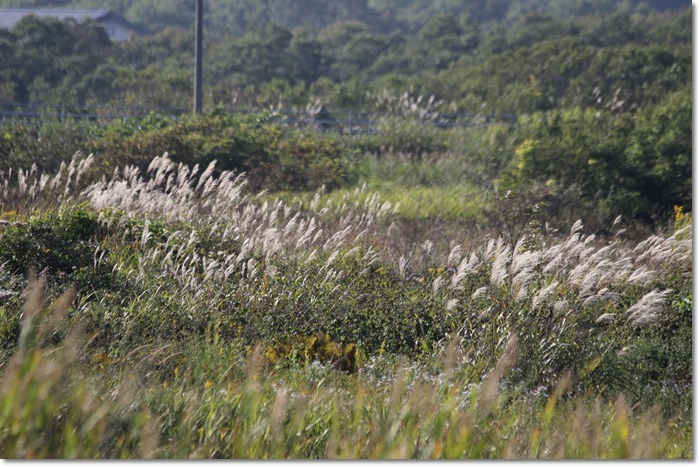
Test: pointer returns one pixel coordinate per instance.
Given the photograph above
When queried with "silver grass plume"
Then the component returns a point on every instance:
(499, 269)
(646, 310)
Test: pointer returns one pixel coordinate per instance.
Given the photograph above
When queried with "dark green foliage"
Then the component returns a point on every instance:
(535, 57)
(654, 367)
(67, 249)
(46, 143)
(273, 157)
(607, 164)
(59, 245)
(306, 161)
(45, 58)
(660, 152)
(573, 149)
(380, 311)
(10, 306)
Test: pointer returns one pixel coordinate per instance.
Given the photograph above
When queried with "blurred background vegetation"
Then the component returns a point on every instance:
(505, 56)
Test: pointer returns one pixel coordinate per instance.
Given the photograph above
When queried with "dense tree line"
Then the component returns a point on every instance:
(618, 61)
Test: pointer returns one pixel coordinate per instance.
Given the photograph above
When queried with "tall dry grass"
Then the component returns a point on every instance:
(524, 330)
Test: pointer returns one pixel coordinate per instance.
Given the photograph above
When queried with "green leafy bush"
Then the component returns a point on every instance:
(659, 153)
(63, 246)
(273, 158)
(46, 143)
(593, 165)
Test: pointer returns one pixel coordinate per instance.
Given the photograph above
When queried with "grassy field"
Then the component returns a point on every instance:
(174, 314)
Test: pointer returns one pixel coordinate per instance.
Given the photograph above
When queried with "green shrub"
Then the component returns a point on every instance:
(45, 142)
(273, 157)
(307, 161)
(593, 165)
(659, 154)
(656, 364)
(60, 245)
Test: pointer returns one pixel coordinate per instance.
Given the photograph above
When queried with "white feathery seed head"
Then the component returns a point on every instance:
(646, 310)
(499, 269)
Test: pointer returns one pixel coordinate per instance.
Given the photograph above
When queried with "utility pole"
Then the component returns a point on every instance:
(198, 57)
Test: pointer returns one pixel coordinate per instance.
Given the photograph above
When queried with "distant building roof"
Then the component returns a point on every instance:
(11, 16)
